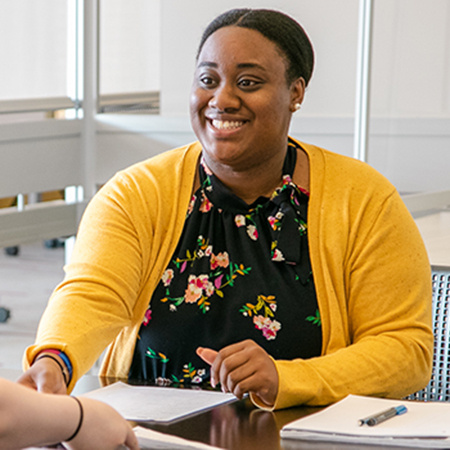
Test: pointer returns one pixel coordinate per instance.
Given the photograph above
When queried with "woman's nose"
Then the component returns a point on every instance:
(225, 98)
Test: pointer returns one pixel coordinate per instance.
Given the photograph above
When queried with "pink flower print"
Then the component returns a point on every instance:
(167, 277)
(196, 379)
(287, 179)
(268, 327)
(191, 204)
(147, 317)
(206, 205)
(277, 255)
(239, 220)
(259, 321)
(273, 307)
(195, 288)
(272, 220)
(219, 260)
(252, 232)
(208, 250)
(270, 332)
(209, 289)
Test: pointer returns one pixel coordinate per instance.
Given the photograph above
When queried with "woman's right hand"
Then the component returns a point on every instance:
(103, 428)
(44, 376)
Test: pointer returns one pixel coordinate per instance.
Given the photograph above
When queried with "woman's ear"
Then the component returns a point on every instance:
(298, 87)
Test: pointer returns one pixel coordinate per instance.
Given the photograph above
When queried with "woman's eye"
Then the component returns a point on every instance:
(206, 81)
(248, 83)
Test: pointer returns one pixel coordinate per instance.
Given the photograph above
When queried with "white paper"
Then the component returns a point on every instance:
(154, 440)
(159, 404)
(150, 439)
(424, 425)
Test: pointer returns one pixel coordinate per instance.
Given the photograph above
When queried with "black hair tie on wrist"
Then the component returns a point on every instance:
(57, 362)
(80, 421)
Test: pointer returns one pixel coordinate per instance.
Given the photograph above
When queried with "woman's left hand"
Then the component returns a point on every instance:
(243, 368)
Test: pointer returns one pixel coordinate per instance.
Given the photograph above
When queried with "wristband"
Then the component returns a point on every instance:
(65, 359)
(57, 362)
(80, 422)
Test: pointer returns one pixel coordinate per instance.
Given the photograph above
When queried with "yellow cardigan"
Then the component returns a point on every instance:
(370, 267)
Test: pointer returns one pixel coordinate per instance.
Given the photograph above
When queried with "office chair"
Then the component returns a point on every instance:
(438, 389)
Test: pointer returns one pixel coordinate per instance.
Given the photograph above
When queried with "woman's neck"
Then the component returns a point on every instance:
(254, 190)
(253, 182)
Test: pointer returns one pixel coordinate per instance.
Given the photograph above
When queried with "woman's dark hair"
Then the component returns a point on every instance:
(279, 28)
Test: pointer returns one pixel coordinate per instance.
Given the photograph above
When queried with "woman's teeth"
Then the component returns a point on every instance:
(226, 124)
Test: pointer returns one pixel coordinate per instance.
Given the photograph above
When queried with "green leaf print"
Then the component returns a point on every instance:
(315, 319)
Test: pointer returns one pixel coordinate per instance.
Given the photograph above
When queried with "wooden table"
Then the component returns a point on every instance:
(234, 426)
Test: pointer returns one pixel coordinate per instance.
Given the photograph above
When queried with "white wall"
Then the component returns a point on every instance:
(411, 53)
(410, 105)
(410, 126)
(332, 89)
(410, 79)
(34, 38)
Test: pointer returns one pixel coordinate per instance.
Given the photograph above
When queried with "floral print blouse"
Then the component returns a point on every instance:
(239, 272)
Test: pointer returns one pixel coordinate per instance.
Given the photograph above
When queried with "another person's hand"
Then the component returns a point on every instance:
(243, 368)
(44, 376)
(103, 428)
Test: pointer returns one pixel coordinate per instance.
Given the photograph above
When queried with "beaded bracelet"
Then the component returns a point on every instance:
(57, 362)
(80, 422)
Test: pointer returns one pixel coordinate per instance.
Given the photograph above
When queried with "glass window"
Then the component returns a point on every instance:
(34, 49)
(129, 59)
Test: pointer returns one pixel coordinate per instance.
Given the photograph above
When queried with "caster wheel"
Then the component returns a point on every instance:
(12, 251)
(4, 315)
(54, 243)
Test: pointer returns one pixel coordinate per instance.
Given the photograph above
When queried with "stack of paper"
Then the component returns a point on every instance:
(158, 404)
(425, 425)
(150, 439)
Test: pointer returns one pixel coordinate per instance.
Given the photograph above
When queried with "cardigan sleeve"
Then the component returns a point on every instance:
(96, 299)
(373, 282)
(126, 237)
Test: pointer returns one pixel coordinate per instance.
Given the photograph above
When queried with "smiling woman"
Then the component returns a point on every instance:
(247, 259)
(240, 134)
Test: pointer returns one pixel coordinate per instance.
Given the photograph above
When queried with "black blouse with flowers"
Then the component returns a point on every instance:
(239, 272)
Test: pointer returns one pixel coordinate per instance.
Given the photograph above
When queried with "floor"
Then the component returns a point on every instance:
(27, 280)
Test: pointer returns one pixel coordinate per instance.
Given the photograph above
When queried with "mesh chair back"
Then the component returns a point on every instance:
(438, 389)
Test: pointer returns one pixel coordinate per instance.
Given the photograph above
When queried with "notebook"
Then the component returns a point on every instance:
(424, 425)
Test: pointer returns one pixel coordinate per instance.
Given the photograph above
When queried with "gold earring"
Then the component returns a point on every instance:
(297, 106)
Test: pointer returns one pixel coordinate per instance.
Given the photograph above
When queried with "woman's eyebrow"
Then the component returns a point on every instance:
(248, 65)
(207, 64)
(251, 66)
